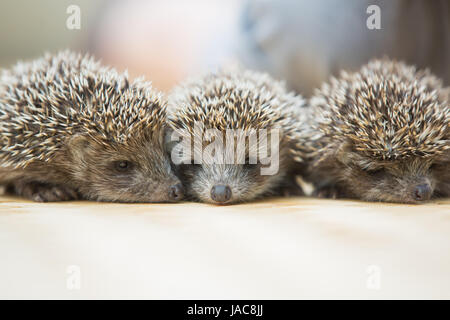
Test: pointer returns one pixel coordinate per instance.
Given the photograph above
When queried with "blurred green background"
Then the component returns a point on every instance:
(30, 28)
(303, 42)
(165, 41)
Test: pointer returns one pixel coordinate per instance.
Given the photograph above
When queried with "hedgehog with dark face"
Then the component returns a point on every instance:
(384, 135)
(254, 119)
(71, 128)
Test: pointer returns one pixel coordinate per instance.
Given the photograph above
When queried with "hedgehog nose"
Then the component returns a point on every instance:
(176, 192)
(221, 193)
(422, 192)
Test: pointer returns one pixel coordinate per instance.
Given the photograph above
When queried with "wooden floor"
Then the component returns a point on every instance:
(281, 248)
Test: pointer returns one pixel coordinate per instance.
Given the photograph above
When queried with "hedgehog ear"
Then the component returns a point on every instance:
(344, 152)
(169, 141)
(77, 146)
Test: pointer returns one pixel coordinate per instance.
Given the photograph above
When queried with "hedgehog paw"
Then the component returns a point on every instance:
(292, 191)
(327, 192)
(45, 192)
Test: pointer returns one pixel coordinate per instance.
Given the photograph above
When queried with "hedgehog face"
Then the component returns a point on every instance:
(227, 183)
(138, 171)
(233, 165)
(409, 180)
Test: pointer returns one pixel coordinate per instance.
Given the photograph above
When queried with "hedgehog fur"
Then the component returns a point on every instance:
(71, 127)
(383, 135)
(240, 100)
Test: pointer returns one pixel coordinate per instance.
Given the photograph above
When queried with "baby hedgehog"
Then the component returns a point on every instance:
(384, 135)
(71, 128)
(249, 120)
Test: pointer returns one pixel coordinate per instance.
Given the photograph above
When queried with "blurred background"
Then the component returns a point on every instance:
(302, 42)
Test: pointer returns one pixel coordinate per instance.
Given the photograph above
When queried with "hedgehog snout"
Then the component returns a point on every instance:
(221, 193)
(176, 192)
(422, 192)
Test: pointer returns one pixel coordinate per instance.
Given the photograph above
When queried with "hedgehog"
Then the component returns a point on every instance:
(383, 135)
(74, 129)
(246, 112)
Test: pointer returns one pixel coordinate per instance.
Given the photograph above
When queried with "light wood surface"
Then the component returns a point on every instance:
(280, 248)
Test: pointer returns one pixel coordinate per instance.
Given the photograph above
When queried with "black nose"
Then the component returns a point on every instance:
(176, 192)
(422, 192)
(221, 193)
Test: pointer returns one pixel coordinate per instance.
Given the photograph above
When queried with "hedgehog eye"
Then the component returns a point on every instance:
(375, 172)
(248, 166)
(123, 165)
(183, 168)
(247, 161)
(434, 166)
